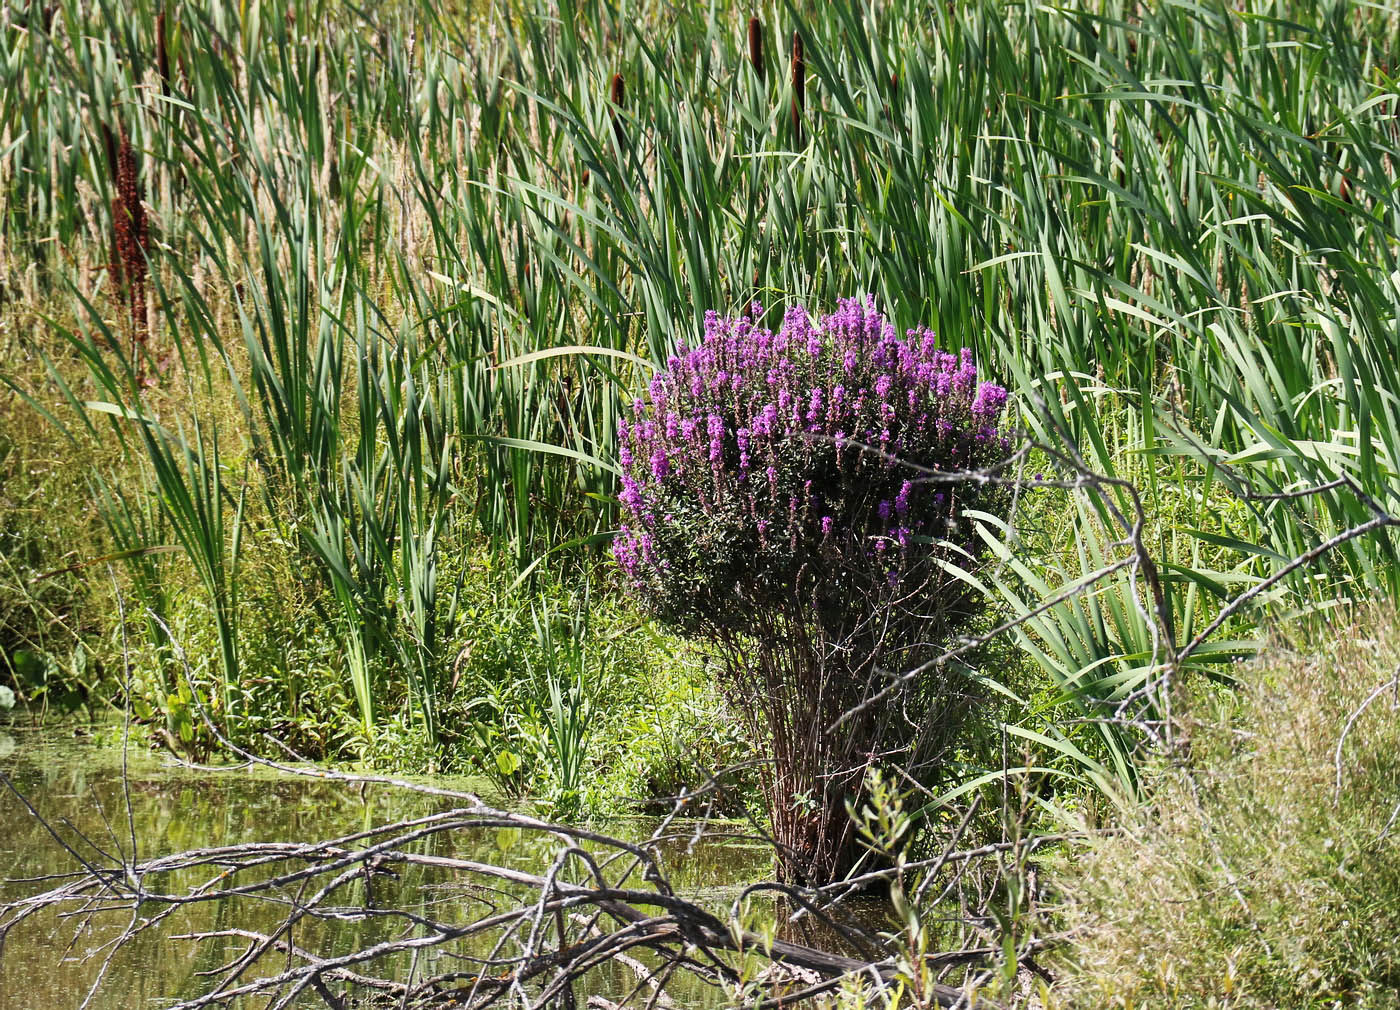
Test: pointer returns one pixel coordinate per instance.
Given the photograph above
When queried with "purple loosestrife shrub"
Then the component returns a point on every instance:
(798, 499)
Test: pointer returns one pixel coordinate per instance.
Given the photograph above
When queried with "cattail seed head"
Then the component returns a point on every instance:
(756, 46)
(618, 94)
(109, 145)
(163, 54)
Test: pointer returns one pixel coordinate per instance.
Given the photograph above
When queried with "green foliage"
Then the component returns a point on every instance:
(568, 714)
(403, 268)
(1090, 630)
(673, 733)
(357, 458)
(563, 694)
(49, 654)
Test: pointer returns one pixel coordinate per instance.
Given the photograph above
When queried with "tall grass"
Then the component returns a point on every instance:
(1265, 871)
(427, 259)
(566, 717)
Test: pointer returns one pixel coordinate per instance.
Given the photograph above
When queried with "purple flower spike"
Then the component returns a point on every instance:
(901, 502)
(660, 465)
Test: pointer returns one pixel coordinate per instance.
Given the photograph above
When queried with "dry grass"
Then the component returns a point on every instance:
(1254, 879)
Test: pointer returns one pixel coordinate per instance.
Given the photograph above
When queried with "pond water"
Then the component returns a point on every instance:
(77, 785)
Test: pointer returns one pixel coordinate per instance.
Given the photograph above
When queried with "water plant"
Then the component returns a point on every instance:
(566, 717)
(804, 499)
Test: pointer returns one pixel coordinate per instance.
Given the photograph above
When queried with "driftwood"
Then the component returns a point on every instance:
(536, 935)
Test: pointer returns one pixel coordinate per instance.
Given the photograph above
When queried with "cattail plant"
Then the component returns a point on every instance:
(756, 46)
(618, 94)
(163, 54)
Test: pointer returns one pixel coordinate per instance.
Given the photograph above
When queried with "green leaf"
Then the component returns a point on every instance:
(507, 762)
(575, 349)
(29, 667)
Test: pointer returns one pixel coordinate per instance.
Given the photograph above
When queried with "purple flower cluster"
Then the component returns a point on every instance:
(760, 455)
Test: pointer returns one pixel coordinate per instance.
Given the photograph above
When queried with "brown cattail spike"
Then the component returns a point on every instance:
(109, 145)
(163, 54)
(619, 96)
(799, 85)
(756, 46)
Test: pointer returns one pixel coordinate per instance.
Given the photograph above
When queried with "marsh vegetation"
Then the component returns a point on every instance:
(388, 388)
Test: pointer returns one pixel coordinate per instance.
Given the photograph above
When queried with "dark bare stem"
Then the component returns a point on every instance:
(799, 86)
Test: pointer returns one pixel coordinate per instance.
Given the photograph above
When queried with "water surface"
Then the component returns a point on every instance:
(77, 784)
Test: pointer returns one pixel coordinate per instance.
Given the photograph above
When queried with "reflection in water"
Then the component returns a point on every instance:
(78, 787)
